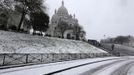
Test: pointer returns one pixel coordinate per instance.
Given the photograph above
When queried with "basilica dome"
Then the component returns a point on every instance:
(62, 10)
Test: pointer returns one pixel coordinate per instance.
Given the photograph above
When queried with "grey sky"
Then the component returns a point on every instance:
(100, 17)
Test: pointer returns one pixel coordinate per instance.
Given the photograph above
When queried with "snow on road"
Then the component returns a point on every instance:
(131, 70)
(123, 70)
(110, 69)
(47, 68)
(82, 69)
(100, 68)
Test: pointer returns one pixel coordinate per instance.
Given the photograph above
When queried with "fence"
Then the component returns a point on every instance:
(20, 58)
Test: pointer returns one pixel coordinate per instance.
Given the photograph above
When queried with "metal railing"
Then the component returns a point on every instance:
(8, 59)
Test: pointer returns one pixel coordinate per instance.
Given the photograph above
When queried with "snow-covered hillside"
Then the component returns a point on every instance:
(11, 42)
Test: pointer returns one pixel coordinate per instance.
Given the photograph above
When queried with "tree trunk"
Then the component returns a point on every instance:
(62, 35)
(21, 20)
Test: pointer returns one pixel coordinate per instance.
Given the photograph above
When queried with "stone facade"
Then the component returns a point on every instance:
(62, 15)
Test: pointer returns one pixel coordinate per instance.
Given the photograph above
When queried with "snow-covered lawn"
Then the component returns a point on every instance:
(11, 42)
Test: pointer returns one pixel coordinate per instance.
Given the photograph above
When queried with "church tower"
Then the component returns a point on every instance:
(62, 15)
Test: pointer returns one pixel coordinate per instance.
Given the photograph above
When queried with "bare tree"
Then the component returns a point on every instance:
(22, 6)
(6, 4)
(28, 6)
(62, 26)
(40, 21)
(121, 39)
(77, 30)
(6, 7)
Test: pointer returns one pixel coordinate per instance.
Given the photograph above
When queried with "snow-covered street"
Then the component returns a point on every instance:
(94, 66)
(110, 67)
(131, 70)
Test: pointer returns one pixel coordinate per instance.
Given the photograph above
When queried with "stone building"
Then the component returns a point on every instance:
(62, 15)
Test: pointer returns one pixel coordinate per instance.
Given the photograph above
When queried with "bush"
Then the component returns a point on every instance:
(2, 27)
(13, 27)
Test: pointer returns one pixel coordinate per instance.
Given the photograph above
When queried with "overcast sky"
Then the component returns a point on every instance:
(100, 17)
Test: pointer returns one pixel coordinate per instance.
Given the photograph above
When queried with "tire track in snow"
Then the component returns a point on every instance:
(111, 68)
(123, 70)
(94, 70)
